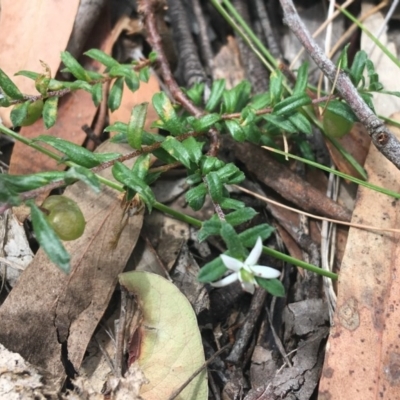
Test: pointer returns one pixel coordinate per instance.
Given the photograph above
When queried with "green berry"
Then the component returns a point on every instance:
(335, 125)
(34, 113)
(65, 217)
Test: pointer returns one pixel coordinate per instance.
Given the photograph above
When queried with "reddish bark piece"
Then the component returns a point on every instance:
(363, 356)
(31, 31)
(279, 177)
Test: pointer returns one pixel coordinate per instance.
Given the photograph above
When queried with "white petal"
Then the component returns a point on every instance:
(248, 287)
(265, 272)
(255, 253)
(231, 263)
(226, 281)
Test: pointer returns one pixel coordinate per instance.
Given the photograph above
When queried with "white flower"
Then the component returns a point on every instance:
(246, 271)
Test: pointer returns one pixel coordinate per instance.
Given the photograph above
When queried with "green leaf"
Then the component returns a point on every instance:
(153, 56)
(281, 122)
(240, 216)
(7, 194)
(276, 86)
(136, 124)
(231, 204)
(291, 104)
(124, 175)
(301, 80)
(272, 286)
(26, 113)
(97, 93)
(232, 241)
(215, 186)
(132, 81)
(79, 84)
(212, 271)
(120, 70)
(75, 153)
(343, 109)
(23, 183)
(177, 150)
(209, 163)
(56, 85)
(249, 236)
(194, 148)
(19, 113)
(101, 57)
(105, 157)
(94, 76)
(85, 175)
(163, 106)
(306, 150)
(230, 173)
(9, 87)
(144, 74)
(115, 96)
(196, 196)
(235, 130)
(74, 67)
(357, 68)
(49, 240)
(202, 124)
(367, 97)
(28, 74)
(195, 93)
(141, 166)
(50, 112)
(213, 225)
(374, 83)
(42, 84)
(217, 90)
(194, 179)
(343, 61)
(5, 101)
(260, 101)
(209, 228)
(301, 122)
(167, 114)
(236, 98)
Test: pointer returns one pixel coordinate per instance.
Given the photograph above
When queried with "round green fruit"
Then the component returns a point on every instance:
(65, 217)
(34, 113)
(335, 125)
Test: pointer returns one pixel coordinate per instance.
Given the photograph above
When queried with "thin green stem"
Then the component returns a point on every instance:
(29, 143)
(338, 173)
(299, 263)
(178, 215)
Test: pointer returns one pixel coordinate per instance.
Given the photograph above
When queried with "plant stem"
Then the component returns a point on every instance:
(178, 215)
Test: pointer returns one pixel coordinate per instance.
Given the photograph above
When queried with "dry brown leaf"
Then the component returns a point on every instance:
(31, 31)
(362, 359)
(48, 309)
